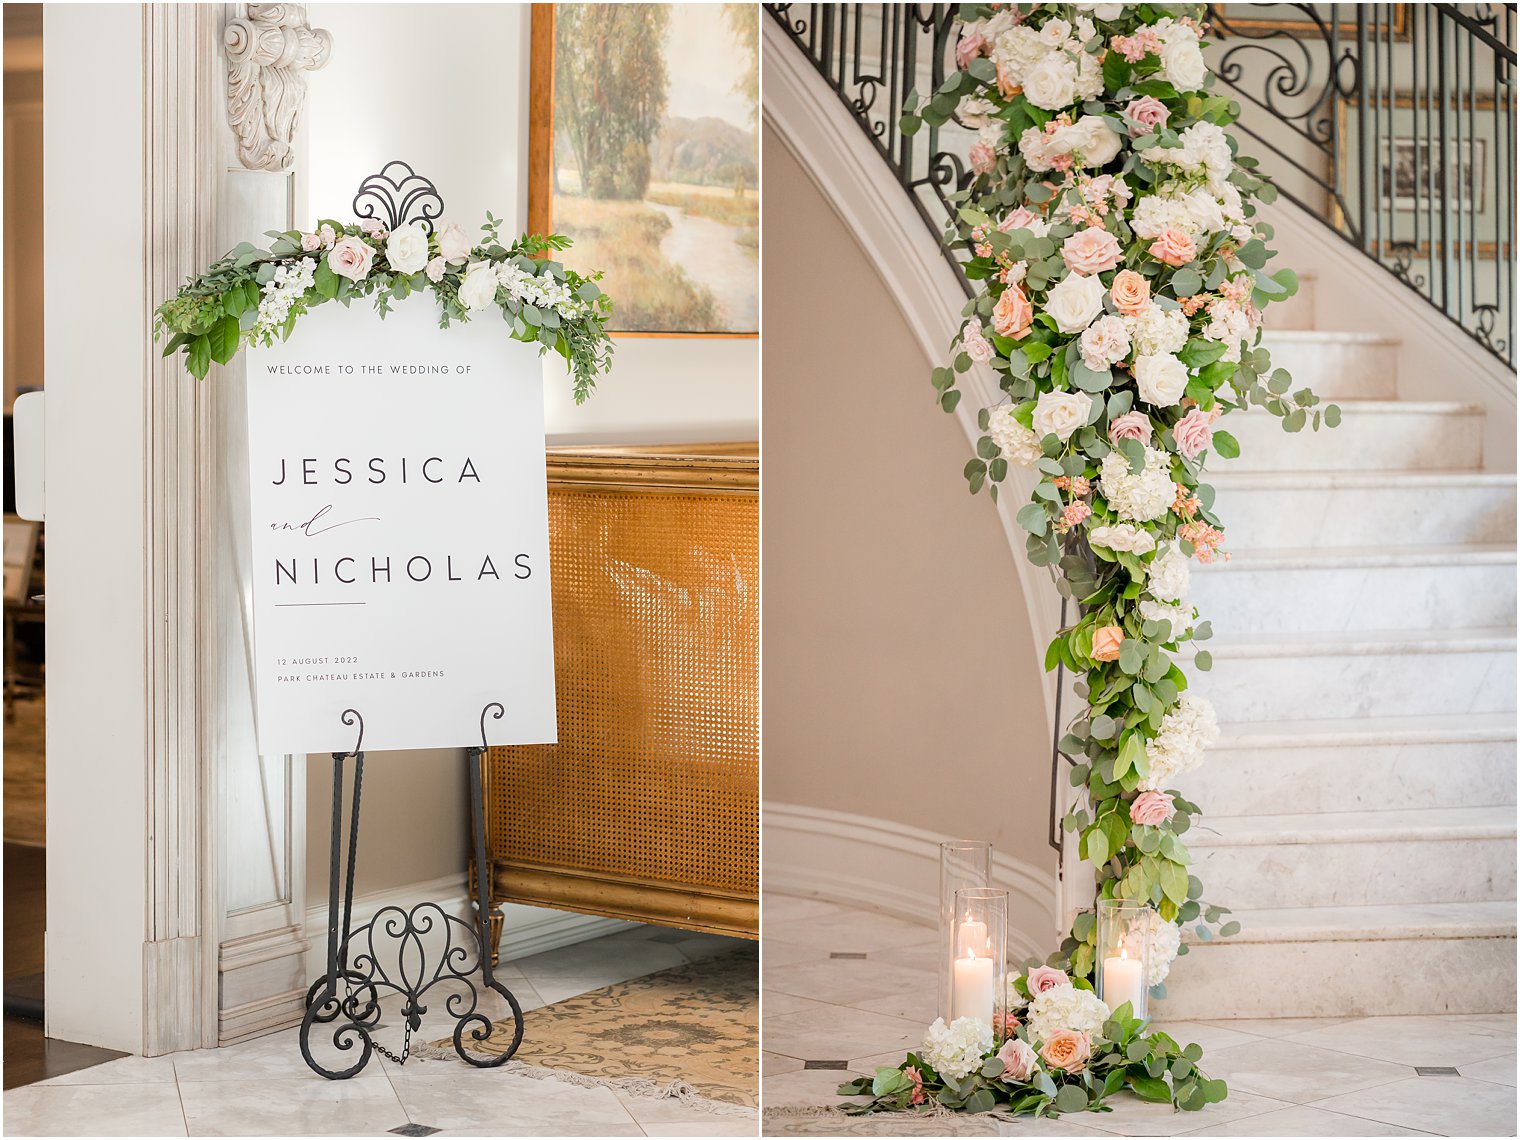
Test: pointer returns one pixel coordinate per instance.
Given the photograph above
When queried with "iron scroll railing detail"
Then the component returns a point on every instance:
(1394, 123)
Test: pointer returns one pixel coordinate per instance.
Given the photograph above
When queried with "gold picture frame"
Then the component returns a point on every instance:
(542, 181)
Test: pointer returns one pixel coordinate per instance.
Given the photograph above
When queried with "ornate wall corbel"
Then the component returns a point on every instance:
(268, 51)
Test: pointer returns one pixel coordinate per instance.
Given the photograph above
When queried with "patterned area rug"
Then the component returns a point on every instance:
(696, 1025)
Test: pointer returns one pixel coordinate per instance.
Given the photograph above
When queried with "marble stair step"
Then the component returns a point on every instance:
(1390, 435)
(1313, 508)
(1337, 365)
(1367, 764)
(1363, 588)
(1362, 858)
(1262, 677)
(1351, 961)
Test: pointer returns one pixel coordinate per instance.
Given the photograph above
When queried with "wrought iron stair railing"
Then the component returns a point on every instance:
(1394, 123)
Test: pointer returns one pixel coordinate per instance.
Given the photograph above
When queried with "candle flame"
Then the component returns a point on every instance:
(1123, 951)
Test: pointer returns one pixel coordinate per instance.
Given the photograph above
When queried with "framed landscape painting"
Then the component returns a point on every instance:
(644, 149)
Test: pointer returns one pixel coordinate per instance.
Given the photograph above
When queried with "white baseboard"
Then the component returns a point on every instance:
(527, 930)
(880, 865)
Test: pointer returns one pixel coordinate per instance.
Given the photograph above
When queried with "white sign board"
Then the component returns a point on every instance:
(400, 533)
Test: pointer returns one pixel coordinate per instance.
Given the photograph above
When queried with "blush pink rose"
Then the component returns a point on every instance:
(1012, 314)
(372, 227)
(1147, 112)
(454, 244)
(1151, 809)
(983, 157)
(1067, 1049)
(1130, 292)
(1106, 642)
(976, 346)
(1194, 432)
(327, 236)
(1089, 251)
(1173, 247)
(1021, 219)
(435, 269)
(968, 47)
(1018, 1060)
(1043, 978)
(1131, 425)
(311, 242)
(351, 257)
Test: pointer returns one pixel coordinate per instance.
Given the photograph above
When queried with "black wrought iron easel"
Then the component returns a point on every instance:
(348, 995)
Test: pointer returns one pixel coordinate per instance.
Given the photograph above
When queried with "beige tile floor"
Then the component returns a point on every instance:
(263, 1087)
(1290, 1077)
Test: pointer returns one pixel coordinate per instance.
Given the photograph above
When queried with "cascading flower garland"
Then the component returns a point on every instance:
(1123, 277)
(253, 295)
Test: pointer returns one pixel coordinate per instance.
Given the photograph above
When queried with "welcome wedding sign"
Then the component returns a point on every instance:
(400, 533)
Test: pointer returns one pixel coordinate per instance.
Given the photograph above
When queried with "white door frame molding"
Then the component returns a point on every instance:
(176, 900)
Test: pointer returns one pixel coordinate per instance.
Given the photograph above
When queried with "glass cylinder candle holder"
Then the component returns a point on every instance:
(963, 863)
(977, 959)
(1124, 952)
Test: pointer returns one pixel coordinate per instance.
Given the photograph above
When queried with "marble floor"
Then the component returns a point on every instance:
(846, 990)
(263, 1087)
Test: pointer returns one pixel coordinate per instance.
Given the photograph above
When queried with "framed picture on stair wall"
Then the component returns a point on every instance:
(644, 150)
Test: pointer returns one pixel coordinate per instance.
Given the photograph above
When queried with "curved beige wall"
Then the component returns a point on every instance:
(900, 678)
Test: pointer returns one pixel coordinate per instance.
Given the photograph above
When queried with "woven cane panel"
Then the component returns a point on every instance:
(656, 634)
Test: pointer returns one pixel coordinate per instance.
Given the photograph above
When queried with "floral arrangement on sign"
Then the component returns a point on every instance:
(253, 295)
(1123, 279)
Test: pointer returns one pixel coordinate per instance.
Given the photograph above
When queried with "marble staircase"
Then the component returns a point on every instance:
(1360, 805)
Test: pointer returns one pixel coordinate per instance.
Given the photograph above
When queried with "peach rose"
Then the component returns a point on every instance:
(1012, 314)
(1194, 432)
(1130, 292)
(1022, 219)
(1173, 247)
(1147, 112)
(1131, 425)
(1089, 251)
(1106, 642)
(1067, 1049)
(351, 257)
(1151, 809)
(1018, 1060)
(1043, 978)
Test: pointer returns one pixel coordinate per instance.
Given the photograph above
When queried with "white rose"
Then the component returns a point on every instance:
(1096, 140)
(407, 248)
(1074, 301)
(1103, 12)
(478, 289)
(453, 244)
(1182, 63)
(1052, 83)
(1061, 413)
(1054, 33)
(1161, 378)
(1105, 342)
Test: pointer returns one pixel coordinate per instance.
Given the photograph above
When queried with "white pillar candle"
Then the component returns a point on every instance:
(971, 989)
(1122, 983)
(971, 938)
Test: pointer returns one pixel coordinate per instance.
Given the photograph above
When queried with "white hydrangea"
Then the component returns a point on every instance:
(1065, 1007)
(542, 292)
(956, 1049)
(1019, 445)
(1169, 576)
(1157, 331)
(1188, 728)
(1122, 536)
(1180, 614)
(1140, 497)
(1016, 50)
(1164, 938)
(1089, 77)
(1157, 212)
(291, 279)
(1230, 324)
